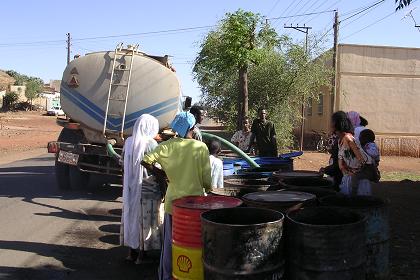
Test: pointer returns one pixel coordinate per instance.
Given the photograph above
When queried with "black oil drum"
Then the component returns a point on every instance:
(377, 230)
(282, 201)
(240, 187)
(325, 243)
(243, 244)
(307, 182)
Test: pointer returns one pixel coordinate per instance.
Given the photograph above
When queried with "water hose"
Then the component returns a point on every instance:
(232, 147)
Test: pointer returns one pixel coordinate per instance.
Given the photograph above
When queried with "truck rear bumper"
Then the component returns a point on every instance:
(87, 157)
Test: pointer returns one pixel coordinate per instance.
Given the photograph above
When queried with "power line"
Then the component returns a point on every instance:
(272, 9)
(355, 14)
(284, 12)
(106, 37)
(302, 15)
(362, 15)
(310, 7)
(302, 8)
(331, 6)
(358, 9)
(145, 33)
(373, 23)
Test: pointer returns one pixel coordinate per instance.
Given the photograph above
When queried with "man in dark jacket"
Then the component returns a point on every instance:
(265, 134)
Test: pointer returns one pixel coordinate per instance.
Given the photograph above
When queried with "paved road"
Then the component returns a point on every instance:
(46, 233)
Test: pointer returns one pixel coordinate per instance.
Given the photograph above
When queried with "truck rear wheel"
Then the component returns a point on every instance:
(62, 175)
(70, 177)
(78, 179)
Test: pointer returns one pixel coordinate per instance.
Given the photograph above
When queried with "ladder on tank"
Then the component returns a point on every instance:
(118, 92)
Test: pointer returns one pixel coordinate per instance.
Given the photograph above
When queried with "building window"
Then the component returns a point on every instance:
(321, 104)
(309, 107)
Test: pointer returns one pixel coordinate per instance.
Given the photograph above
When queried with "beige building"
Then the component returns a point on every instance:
(382, 84)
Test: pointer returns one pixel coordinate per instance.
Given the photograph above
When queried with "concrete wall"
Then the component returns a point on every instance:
(383, 85)
(319, 121)
(21, 93)
(55, 84)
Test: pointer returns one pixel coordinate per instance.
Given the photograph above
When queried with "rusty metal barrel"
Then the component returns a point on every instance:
(240, 187)
(377, 230)
(243, 243)
(325, 243)
(282, 201)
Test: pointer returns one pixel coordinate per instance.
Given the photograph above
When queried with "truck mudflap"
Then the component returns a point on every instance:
(87, 157)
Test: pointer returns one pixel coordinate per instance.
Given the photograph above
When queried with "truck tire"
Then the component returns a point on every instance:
(70, 177)
(62, 175)
(78, 179)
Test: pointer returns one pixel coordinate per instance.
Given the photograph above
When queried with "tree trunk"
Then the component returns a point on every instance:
(243, 95)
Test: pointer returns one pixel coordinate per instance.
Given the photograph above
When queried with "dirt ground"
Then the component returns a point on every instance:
(400, 186)
(26, 134)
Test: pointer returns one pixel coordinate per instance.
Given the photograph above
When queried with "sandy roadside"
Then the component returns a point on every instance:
(25, 134)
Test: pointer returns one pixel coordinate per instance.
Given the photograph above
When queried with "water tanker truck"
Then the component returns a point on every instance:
(103, 93)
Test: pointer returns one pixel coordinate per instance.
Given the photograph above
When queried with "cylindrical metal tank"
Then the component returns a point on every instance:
(296, 174)
(307, 182)
(326, 243)
(243, 243)
(240, 187)
(377, 230)
(154, 89)
(282, 201)
(186, 232)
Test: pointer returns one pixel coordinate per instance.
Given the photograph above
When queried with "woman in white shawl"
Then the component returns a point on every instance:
(140, 143)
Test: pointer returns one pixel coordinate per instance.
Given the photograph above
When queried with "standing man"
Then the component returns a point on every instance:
(265, 134)
(186, 163)
(198, 113)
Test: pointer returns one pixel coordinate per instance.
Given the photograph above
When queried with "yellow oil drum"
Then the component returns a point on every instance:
(187, 263)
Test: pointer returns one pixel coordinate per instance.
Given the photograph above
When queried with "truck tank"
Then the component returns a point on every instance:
(153, 89)
(81, 153)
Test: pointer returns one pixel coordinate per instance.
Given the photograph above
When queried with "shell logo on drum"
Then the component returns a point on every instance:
(184, 264)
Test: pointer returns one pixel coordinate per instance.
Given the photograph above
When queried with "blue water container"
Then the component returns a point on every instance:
(228, 168)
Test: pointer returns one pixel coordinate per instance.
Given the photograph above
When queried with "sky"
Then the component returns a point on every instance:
(33, 33)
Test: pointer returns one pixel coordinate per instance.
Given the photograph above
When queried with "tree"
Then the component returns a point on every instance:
(21, 79)
(401, 4)
(33, 89)
(9, 99)
(284, 76)
(232, 48)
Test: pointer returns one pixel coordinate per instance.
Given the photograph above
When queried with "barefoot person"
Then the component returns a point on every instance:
(141, 142)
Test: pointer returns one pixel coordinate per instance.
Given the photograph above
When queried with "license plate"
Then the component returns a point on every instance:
(69, 158)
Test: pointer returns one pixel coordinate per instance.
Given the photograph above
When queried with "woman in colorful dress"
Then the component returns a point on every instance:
(351, 157)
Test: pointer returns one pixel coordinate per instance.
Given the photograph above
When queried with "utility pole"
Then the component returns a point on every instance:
(68, 47)
(304, 29)
(334, 61)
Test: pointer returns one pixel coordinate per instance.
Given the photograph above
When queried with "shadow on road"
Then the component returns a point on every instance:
(78, 262)
(33, 181)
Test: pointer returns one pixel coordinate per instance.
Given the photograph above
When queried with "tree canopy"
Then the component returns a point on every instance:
(237, 43)
(280, 75)
(33, 89)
